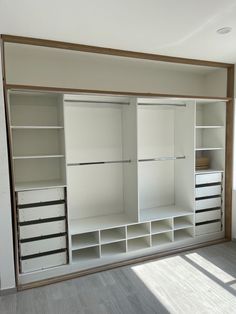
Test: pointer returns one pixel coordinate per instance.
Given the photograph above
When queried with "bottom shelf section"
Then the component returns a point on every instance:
(162, 238)
(139, 244)
(113, 248)
(183, 234)
(84, 255)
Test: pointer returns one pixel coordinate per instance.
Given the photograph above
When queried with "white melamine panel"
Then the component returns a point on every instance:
(156, 184)
(41, 212)
(42, 229)
(37, 196)
(93, 132)
(208, 178)
(208, 228)
(95, 190)
(210, 138)
(208, 215)
(208, 203)
(46, 245)
(37, 142)
(32, 109)
(43, 262)
(139, 243)
(208, 191)
(36, 172)
(155, 132)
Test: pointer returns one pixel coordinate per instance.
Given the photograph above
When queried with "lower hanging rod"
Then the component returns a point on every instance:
(163, 158)
(98, 162)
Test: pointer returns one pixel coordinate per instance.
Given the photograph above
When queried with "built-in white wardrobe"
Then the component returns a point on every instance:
(115, 157)
(101, 179)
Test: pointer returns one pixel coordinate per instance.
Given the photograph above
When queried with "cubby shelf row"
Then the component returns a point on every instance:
(94, 250)
(130, 232)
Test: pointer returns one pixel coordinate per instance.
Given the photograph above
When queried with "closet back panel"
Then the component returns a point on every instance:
(95, 190)
(37, 142)
(35, 110)
(155, 132)
(156, 184)
(93, 132)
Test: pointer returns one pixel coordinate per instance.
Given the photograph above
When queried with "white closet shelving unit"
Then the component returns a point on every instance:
(122, 175)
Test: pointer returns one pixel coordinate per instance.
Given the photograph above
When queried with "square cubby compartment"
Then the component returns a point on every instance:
(85, 240)
(183, 234)
(138, 243)
(138, 230)
(183, 222)
(85, 255)
(114, 248)
(162, 238)
(161, 226)
(112, 235)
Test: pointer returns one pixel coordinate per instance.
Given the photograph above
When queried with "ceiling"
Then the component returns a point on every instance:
(184, 28)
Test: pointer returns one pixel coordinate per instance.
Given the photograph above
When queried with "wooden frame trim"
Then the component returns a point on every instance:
(136, 260)
(109, 51)
(229, 152)
(115, 93)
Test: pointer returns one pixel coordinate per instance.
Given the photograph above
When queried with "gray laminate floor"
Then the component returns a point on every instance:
(199, 281)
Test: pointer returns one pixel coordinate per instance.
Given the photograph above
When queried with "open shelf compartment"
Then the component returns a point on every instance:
(183, 222)
(138, 243)
(84, 240)
(112, 235)
(138, 230)
(85, 255)
(160, 226)
(162, 238)
(113, 248)
(183, 234)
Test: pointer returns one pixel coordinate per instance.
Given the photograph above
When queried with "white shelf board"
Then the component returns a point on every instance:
(36, 127)
(98, 222)
(137, 230)
(84, 241)
(208, 171)
(111, 235)
(36, 185)
(209, 126)
(160, 239)
(157, 213)
(85, 255)
(182, 235)
(208, 148)
(38, 157)
(137, 244)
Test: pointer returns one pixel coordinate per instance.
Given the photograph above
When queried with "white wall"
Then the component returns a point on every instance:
(7, 273)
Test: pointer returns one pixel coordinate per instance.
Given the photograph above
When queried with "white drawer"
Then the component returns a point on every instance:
(208, 191)
(38, 196)
(42, 229)
(208, 203)
(41, 212)
(43, 262)
(207, 216)
(208, 178)
(208, 228)
(36, 247)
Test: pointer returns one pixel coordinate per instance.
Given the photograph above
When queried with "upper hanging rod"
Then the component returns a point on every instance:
(163, 158)
(98, 162)
(156, 104)
(98, 102)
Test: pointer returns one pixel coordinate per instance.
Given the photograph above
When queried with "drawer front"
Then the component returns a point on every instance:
(208, 228)
(38, 196)
(208, 216)
(41, 212)
(208, 191)
(46, 245)
(208, 178)
(43, 262)
(42, 229)
(208, 203)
